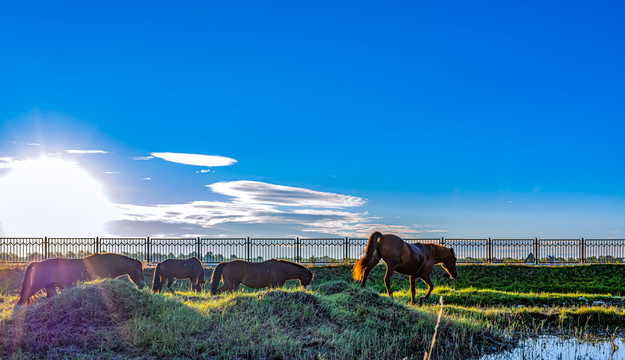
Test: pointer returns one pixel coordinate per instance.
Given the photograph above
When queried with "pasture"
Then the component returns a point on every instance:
(487, 309)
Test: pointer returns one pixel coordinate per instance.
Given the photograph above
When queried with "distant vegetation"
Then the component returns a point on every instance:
(486, 308)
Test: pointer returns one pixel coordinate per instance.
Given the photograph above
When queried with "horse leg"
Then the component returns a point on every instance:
(412, 290)
(390, 270)
(170, 282)
(426, 279)
(161, 282)
(50, 290)
(227, 286)
(372, 264)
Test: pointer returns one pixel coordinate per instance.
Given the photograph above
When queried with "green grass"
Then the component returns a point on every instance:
(484, 310)
(113, 318)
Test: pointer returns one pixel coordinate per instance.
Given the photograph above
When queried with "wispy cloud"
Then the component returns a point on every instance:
(81, 152)
(142, 157)
(146, 178)
(256, 192)
(23, 143)
(111, 172)
(284, 209)
(195, 159)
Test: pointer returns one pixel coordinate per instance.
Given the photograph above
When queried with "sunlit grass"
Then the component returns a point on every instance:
(334, 319)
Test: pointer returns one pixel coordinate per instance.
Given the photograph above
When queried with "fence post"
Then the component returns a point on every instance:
(45, 247)
(96, 249)
(147, 249)
(443, 241)
(536, 251)
(298, 258)
(582, 251)
(197, 249)
(248, 246)
(490, 251)
(346, 250)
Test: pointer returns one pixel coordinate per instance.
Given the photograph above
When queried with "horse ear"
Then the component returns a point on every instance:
(452, 251)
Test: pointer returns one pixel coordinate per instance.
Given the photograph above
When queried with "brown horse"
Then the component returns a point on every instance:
(271, 273)
(108, 265)
(62, 273)
(50, 274)
(180, 269)
(414, 260)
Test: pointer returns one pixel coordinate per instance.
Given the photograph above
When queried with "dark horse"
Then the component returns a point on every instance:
(414, 260)
(60, 272)
(271, 273)
(180, 269)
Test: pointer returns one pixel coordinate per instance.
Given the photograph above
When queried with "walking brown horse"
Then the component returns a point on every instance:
(61, 272)
(271, 273)
(414, 260)
(179, 269)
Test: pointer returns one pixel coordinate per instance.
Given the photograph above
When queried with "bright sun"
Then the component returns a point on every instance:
(52, 197)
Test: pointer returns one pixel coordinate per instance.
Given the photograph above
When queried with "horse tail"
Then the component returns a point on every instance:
(358, 270)
(156, 281)
(26, 284)
(216, 278)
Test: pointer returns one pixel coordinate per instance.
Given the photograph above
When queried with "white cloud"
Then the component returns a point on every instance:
(256, 192)
(437, 231)
(146, 178)
(142, 157)
(275, 208)
(195, 159)
(111, 172)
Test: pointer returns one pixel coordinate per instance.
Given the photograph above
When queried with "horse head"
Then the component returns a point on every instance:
(306, 279)
(136, 274)
(449, 264)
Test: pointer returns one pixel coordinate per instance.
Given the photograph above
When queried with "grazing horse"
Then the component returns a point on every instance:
(108, 265)
(180, 269)
(271, 273)
(414, 260)
(50, 274)
(60, 272)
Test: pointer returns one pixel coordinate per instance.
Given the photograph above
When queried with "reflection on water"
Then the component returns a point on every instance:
(555, 348)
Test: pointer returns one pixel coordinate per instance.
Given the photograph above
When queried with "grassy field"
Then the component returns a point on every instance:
(485, 309)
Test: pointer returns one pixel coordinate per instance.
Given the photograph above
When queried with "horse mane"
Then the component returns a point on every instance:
(292, 263)
(440, 252)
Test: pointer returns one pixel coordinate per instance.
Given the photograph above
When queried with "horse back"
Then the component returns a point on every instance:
(182, 268)
(59, 272)
(109, 264)
(392, 248)
(419, 259)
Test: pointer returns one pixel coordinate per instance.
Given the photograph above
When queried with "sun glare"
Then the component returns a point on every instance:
(52, 197)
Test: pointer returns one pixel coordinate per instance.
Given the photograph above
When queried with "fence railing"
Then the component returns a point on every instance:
(310, 250)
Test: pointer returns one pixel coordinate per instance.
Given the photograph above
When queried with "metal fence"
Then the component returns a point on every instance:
(310, 250)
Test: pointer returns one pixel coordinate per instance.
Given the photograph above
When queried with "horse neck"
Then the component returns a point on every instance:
(439, 253)
(292, 271)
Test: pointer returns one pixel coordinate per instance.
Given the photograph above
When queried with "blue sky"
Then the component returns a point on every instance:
(423, 119)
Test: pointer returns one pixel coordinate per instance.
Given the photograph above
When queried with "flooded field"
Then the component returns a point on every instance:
(564, 348)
